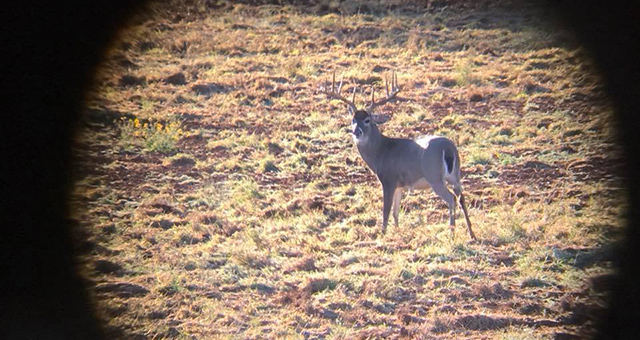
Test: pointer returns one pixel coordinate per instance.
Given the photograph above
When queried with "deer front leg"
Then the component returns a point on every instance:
(388, 191)
(396, 204)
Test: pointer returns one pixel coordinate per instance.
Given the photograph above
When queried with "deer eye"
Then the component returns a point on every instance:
(367, 121)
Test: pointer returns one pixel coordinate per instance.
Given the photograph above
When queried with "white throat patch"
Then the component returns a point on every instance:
(357, 140)
(361, 140)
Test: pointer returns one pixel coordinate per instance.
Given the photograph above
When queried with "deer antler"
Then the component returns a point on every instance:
(390, 95)
(335, 93)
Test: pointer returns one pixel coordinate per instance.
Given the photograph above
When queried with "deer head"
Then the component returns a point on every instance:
(364, 122)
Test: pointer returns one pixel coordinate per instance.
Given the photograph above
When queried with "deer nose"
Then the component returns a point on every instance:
(357, 132)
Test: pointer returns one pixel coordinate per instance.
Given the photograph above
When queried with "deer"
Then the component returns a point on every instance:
(402, 164)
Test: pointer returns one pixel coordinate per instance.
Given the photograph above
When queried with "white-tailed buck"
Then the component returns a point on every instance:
(402, 163)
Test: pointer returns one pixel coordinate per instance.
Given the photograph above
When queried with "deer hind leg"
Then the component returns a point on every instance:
(457, 189)
(441, 190)
(397, 196)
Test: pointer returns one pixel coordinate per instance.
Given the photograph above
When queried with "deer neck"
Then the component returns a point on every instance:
(369, 148)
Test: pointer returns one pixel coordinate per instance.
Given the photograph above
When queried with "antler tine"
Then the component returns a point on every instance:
(386, 85)
(395, 81)
(390, 95)
(333, 81)
(394, 84)
(335, 92)
(372, 93)
(353, 100)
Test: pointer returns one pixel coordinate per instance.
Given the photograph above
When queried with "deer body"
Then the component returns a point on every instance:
(403, 164)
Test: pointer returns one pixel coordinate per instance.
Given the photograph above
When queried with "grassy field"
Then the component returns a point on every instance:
(219, 195)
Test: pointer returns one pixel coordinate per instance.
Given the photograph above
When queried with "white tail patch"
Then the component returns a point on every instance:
(444, 162)
(449, 174)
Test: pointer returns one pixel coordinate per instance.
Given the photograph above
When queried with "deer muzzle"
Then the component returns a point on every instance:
(357, 132)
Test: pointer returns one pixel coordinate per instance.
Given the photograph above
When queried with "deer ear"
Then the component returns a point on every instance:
(380, 118)
(351, 111)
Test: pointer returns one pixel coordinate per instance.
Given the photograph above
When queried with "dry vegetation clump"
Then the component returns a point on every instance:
(219, 194)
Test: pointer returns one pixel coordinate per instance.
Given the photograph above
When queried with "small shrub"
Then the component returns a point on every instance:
(268, 165)
(464, 74)
(506, 159)
(232, 273)
(180, 160)
(315, 285)
(505, 131)
(152, 136)
(251, 259)
(501, 140)
(245, 190)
